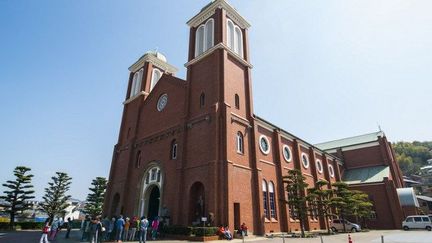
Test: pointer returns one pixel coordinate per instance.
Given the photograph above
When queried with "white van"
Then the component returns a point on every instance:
(417, 222)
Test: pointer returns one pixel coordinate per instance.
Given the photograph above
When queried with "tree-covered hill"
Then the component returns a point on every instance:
(412, 156)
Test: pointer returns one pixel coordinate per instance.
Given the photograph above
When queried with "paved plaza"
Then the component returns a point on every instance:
(390, 236)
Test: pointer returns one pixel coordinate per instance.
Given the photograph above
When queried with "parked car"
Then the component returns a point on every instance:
(417, 222)
(337, 224)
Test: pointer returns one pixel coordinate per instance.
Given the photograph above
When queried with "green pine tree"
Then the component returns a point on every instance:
(95, 198)
(320, 198)
(55, 199)
(342, 201)
(18, 193)
(296, 186)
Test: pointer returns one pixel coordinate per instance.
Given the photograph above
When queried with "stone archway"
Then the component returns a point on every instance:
(151, 193)
(197, 208)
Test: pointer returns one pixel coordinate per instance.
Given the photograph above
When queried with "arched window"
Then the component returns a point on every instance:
(202, 100)
(234, 38)
(199, 40)
(204, 37)
(272, 200)
(209, 26)
(138, 160)
(238, 47)
(237, 101)
(265, 201)
(136, 82)
(156, 75)
(174, 149)
(230, 34)
(240, 146)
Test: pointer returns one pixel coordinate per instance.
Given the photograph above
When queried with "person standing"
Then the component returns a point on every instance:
(68, 225)
(85, 228)
(133, 228)
(54, 229)
(95, 230)
(119, 228)
(126, 229)
(45, 231)
(143, 230)
(155, 227)
(106, 224)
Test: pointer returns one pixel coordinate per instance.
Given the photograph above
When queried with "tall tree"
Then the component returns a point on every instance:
(18, 193)
(55, 199)
(96, 197)
(361, 206)
(342, 201)
(320, 198)
(296, 186)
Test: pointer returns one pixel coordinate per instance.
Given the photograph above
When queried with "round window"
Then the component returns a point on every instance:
(163, 100)
(331, 170)
(287, 153)
(305, 160)
(319, 166)
(264, 144)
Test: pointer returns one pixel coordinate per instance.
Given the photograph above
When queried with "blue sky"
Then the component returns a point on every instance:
(322, 70)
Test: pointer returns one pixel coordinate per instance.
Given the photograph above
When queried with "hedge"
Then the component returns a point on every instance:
(205, 231)
(23, 225)
(177, 230)
(184, 230)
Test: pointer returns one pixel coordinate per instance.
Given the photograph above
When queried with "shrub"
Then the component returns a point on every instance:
(205, 231)
(177, 230)
(4, 226)
(30, 225)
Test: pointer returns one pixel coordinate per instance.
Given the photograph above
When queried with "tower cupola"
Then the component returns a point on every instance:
(146, 72)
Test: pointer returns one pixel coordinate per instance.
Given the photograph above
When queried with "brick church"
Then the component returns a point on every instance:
(192, 148)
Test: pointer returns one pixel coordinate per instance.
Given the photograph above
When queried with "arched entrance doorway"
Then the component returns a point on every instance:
(151, 193)
(196, 203)
(153, 202)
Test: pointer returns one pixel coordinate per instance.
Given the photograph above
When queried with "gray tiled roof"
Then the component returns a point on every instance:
(344, 142)
(366, 175)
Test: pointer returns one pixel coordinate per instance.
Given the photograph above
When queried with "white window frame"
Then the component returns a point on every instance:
(272, 202)
(153, 81)
(318, 162)
(230, 34)
(205, 30)
(235, 38)
(268, 143)
(290, 153)
(307, 159)
(240, 143)
(331, 171)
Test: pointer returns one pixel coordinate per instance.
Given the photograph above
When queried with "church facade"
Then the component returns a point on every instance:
(192, 148)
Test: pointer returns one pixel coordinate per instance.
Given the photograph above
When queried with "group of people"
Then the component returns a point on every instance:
(51, 229)
(119, 229)
(225, 232)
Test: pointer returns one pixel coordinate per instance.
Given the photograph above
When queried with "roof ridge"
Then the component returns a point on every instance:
(340, 139)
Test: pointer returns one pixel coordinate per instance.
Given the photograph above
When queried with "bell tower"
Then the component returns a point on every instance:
(219, 78)
(218, 60)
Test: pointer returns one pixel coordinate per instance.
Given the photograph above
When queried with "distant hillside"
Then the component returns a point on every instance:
(412, 156)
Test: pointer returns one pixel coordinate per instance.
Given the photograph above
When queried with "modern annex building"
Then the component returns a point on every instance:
(192, 148)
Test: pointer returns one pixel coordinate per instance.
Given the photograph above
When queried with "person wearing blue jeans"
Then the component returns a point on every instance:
(120, 226)
(143, 229)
